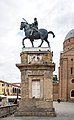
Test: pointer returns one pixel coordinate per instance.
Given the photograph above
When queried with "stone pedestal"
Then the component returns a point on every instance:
(36, 82)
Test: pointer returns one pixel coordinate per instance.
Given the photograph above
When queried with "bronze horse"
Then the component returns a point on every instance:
(37, 34)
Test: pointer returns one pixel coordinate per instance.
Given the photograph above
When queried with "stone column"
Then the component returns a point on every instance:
(36, 69)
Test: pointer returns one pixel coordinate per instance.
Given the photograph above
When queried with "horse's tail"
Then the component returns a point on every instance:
(50, 32)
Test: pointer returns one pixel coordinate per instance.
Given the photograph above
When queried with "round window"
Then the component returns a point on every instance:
(72, 80)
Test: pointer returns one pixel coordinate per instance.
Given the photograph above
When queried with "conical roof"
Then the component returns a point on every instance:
(70, 34)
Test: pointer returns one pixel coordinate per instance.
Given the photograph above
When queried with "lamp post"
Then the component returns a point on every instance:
(17, 97)
(17, 93)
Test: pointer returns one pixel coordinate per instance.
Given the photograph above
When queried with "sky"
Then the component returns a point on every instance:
(53, 15)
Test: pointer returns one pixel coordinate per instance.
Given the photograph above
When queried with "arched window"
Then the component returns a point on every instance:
(13, 90)
(19, 90)
(72, 80)
(72, 93)
(71, 70)
(71, 59)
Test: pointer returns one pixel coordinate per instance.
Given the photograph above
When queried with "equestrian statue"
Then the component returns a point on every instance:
(32, 32)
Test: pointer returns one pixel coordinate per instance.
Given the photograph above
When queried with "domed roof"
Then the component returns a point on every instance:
(70, 34)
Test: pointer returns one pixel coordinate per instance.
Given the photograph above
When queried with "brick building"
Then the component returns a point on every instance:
(66, 69)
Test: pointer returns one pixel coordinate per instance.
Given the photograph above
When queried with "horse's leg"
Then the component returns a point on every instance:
(47, 42)
(23, 42)
(41, 43)
(32, 42)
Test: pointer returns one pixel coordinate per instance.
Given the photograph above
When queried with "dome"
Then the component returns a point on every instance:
(70, 34)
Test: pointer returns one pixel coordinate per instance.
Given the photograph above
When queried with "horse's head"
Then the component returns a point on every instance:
(22, 26)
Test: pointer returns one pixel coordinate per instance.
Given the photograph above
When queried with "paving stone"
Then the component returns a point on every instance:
(64, 110)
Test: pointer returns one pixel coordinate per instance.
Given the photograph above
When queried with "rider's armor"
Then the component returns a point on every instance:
(34, 26)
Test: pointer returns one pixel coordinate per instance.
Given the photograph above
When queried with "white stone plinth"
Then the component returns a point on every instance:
(36, 49)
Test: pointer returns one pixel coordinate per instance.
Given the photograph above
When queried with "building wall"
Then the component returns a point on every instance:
(1, 92)
(66, 71)
(7, 88)
(55, 91)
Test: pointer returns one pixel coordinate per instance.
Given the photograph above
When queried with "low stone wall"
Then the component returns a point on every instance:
(7, 110)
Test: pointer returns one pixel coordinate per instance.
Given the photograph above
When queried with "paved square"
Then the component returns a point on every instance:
(64, 110)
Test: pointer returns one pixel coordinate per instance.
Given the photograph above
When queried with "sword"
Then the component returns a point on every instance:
(25, 20)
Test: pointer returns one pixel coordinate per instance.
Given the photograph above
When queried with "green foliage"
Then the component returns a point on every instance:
(11, 100)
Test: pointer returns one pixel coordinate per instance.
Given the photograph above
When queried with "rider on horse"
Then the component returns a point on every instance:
(36, 33)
